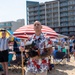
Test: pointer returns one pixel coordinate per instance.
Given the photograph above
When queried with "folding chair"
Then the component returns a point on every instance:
(15, 65)
(60, 57)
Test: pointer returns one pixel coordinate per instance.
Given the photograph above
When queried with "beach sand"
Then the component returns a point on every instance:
(67, 69)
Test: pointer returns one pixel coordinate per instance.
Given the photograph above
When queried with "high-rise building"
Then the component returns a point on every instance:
(58, 14)
(32, 11)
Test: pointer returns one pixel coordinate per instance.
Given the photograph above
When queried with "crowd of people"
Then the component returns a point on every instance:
(66, 45)
(38, 62)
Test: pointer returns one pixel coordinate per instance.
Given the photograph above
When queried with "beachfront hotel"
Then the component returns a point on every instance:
(58, 14)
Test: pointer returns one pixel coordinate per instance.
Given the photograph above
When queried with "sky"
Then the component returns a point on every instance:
(11, 10)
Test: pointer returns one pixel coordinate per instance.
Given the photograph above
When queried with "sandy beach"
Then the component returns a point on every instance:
(68, 69)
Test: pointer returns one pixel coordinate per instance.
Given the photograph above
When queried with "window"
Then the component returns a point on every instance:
(64, 29)
(64, 24)
(70, 2)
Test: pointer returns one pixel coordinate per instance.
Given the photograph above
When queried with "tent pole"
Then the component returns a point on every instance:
(22, 63)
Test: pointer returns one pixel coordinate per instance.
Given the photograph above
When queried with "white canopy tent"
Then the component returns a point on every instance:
(62, 36)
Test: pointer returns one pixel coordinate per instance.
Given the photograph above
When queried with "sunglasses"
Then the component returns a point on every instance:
(36, 24)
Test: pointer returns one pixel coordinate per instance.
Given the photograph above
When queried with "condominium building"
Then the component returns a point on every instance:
(12, 25)
(58, 14)
(32, 11)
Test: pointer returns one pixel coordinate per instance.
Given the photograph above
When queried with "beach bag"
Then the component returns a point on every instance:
(14, 57)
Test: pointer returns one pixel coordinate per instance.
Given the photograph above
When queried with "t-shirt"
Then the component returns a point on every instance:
(64, 50)
(71, 42)
(54, 53)
(59, 48)
(4, 44)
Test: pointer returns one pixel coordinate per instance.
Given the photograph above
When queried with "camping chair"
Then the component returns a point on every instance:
(15, 65)
(60, 57)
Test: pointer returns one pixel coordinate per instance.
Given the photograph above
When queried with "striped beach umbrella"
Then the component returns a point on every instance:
(28, 31)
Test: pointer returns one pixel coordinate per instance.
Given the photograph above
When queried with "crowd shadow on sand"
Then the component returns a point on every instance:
(56, 72)
(59, 70)
(65, 67)
(52, 72)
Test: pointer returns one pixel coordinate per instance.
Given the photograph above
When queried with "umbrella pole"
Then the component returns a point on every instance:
(22, 63)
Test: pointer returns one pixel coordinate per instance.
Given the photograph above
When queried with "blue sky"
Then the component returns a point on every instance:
(11, 10)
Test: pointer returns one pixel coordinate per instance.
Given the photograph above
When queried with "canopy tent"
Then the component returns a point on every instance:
(62, 36)
(28, 30)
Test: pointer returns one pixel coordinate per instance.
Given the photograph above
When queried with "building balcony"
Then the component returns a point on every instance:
(63, 4)
(31, 22)
(42, 17)
(48, 12)
(42, 8)
(48, 7)
(55, 5)
(42, 22)
(63, 0)
(55, 11)
(61, 10)
(31, 19)
(36, 9)
(36, 18)
(55, 15)
(49, 21)
(56, 30)
(63, 30)
(43, 12)
(30, 10)
(49, 17)
(72, 29)
(71, 33)
(71, 3)
(65, 33)
(71, 14)
(62, 20)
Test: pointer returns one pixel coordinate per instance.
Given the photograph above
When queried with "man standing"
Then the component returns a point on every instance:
(4, 52)
(38, 65)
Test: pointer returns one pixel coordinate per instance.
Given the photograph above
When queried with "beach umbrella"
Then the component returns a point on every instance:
(7, 33)
(28, 31)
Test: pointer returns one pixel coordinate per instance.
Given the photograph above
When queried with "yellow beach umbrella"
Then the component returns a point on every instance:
(7, 34)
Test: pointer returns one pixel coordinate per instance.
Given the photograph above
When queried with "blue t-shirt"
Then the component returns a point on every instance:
(54, 53)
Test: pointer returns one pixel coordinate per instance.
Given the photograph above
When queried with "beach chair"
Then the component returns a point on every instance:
(15, 65)
(60, 57)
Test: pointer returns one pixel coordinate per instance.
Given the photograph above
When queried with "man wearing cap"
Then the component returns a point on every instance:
(38, 65)
(4, 52)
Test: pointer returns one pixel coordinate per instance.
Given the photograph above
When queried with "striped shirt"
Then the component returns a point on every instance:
(3, 44)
